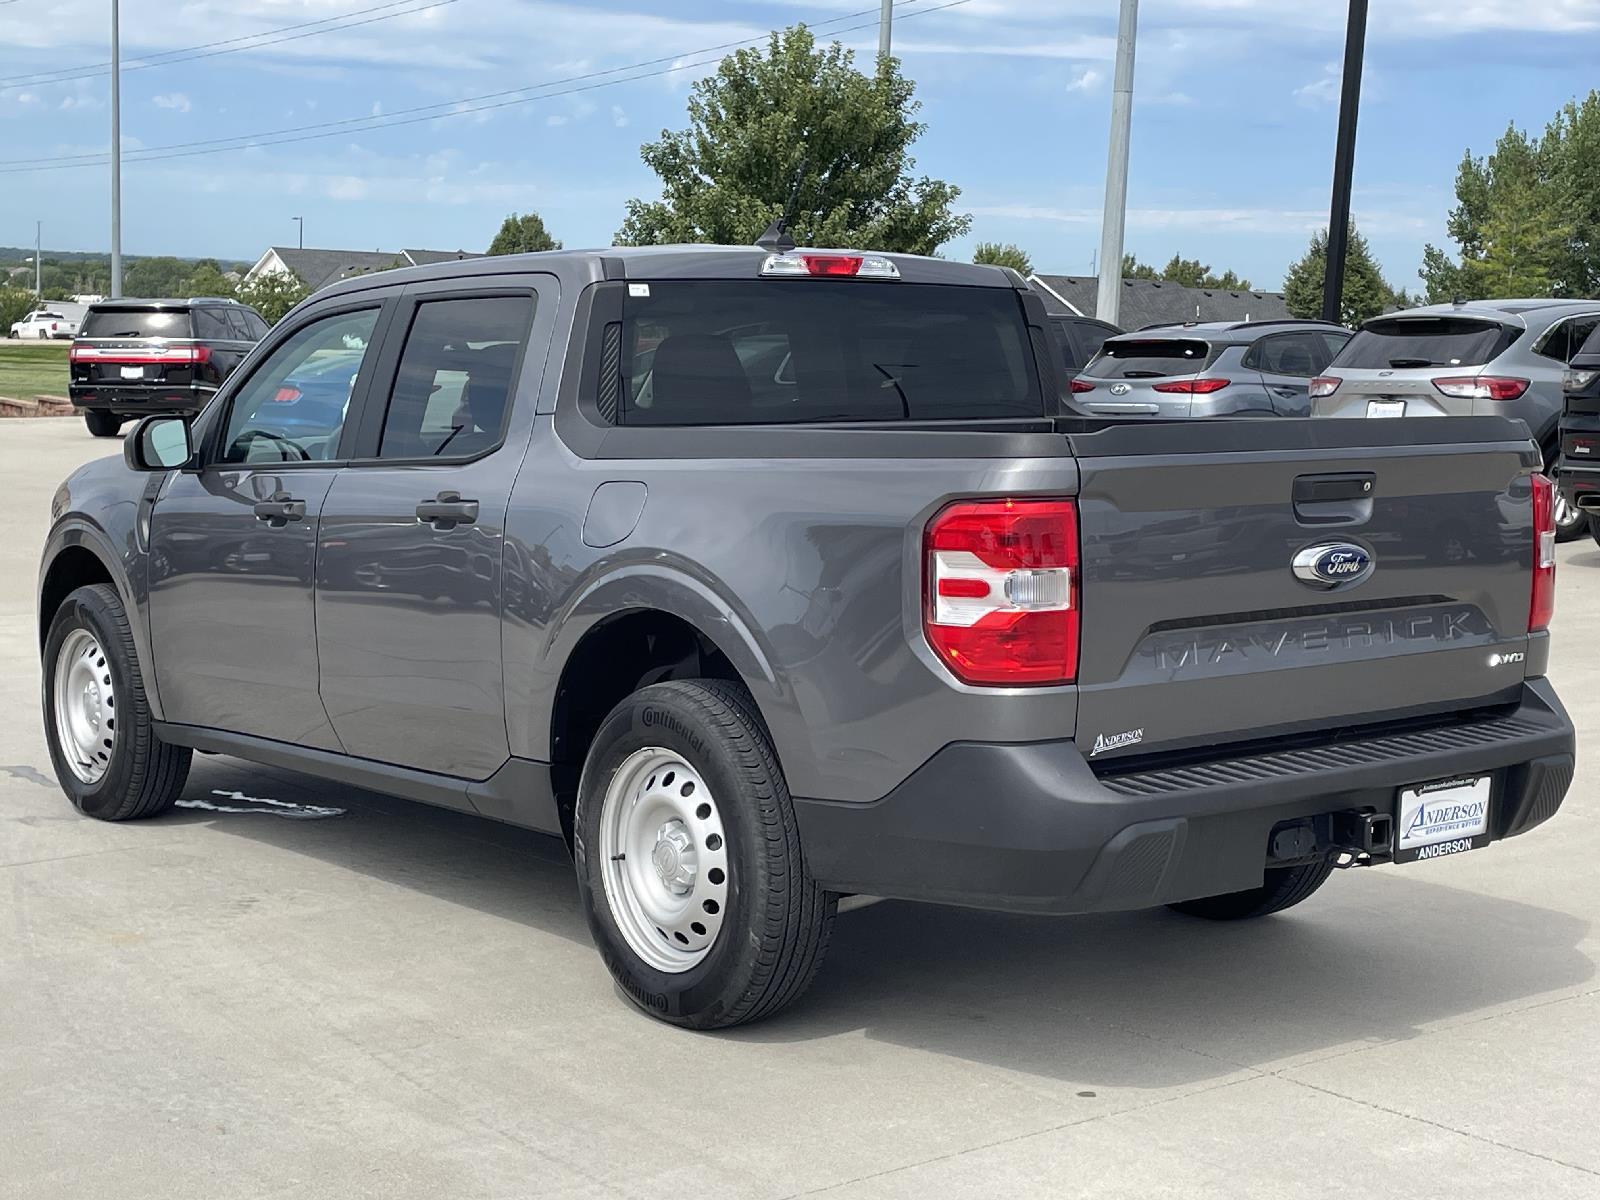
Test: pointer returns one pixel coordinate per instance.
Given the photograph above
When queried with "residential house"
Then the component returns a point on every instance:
(318, 268)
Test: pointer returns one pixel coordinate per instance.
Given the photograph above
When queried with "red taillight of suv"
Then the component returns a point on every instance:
(1001, 591)
(1481, 387)
(1542, 606)
(1193, 387)
(1324, 385)
(1081, 385)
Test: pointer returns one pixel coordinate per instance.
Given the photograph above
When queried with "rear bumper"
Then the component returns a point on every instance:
(1030, 828)
(134, 401)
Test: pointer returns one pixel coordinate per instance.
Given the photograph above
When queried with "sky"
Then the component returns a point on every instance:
(1235, 106)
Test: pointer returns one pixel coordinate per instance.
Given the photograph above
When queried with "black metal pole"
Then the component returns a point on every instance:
(1344, 161)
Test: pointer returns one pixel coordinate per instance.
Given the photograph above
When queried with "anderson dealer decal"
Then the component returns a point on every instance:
(1116, 741)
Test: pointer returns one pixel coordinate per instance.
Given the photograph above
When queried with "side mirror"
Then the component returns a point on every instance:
(158, 444)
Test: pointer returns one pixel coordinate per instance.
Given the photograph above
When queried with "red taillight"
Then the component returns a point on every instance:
(1079, 385)
(831, 264)
(1193, 387)
(286, 395)
(1481, 387)
(163, 356)
(1001, 591)
(1324, 385)
(1542, 606)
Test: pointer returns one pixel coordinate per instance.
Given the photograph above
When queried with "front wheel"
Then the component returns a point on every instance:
(102, 424)
(1283, 887)
(96, 717)
(689, 862)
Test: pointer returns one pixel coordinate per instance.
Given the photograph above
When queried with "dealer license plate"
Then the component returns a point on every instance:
(1447, 816)
(133, 372)
(1386, 408)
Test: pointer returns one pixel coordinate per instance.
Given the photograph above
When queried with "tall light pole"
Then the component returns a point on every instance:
(301, 222)
(1113, 220)
(116, 157)
(885, 20)
(1344, 162)
(38, 259)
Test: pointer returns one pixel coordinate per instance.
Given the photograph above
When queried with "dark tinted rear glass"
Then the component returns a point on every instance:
(725, 352)
(136, 322)
(1590, 350)
(1150, 358)
(1401, 342)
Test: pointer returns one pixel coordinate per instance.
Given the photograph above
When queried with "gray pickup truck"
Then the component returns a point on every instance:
(770, 578)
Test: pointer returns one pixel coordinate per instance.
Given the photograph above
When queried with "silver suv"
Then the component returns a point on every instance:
(1474, 358)
(1209, 369)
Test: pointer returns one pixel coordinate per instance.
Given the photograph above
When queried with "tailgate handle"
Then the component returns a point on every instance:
(1344, 498)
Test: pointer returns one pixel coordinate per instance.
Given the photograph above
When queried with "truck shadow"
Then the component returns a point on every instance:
(1148, 999)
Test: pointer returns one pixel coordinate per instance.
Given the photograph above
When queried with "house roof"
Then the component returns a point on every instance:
(318, 268)
(1158, 301)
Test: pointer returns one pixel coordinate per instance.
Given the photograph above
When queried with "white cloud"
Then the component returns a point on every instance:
(556, 119)
(176, 101)
(619, 118)
(1085, 79)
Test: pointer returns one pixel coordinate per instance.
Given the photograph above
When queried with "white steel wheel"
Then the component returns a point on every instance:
(85, 704)
(664, 859)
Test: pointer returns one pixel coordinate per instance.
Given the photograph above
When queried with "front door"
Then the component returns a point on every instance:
(233, 545)
(409, 562)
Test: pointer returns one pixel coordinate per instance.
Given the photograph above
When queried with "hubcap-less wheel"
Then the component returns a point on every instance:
(664, 859)
(85, 703)
(1566, 513)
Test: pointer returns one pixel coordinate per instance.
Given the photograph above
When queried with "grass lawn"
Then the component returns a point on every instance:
(29, 369)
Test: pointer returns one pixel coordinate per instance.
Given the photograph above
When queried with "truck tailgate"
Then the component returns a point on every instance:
(1197, 629)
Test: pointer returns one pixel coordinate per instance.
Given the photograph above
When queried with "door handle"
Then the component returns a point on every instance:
(447, 510)
(1287, 391)
(280, 510)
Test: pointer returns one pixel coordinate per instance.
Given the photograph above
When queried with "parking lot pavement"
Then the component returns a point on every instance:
(292, 989)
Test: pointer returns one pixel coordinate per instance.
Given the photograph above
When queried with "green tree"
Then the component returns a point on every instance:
(273, 293)
(1007, 255)
(523, 234)
(207, 279)
(15, 303)
(761, 117)
(1365, 293)
(1132, 268)
(1190, 272)
(162, 275)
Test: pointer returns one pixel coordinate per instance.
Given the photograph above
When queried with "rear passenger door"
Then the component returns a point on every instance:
(1288, 362)
(409, 577)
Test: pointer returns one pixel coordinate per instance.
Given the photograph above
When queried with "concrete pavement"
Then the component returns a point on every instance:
(254, 999)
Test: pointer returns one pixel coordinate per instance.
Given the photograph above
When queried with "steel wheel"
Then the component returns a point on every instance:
(85, 704)
(664, 859)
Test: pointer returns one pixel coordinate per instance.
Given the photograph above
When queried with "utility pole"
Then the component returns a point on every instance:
(1114, 218)
(301, 221)
(116, 157)
(885, 20)
(1344, 162)
(38, 259)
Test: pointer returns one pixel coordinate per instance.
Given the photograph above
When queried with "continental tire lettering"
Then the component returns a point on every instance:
(653, 717)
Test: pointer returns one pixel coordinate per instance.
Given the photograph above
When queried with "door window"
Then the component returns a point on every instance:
(210, 326)
(293, 408)
(1301, 355)
(452, 389)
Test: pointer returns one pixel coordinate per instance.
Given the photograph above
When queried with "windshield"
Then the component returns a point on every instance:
(1150, 358)
(724, 352)
(1395, 343)
(136, 322)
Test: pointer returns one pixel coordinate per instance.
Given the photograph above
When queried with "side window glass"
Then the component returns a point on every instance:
(257, 326)
(1558, 343)
(238, 327)
(1582, 328)
(210, 327)
(1297, 354)
(293, 407)
(452, 390)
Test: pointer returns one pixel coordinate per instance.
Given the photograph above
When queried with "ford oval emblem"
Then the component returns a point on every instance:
(1333, 565)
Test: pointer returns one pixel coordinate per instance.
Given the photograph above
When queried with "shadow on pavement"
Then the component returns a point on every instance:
(1148, 999)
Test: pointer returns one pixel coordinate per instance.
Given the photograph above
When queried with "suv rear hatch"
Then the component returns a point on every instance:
(129, 349)
(1415, 366)
(1144, 377)
(1196, 628)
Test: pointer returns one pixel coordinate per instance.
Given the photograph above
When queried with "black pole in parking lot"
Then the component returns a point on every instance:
(1344, 161)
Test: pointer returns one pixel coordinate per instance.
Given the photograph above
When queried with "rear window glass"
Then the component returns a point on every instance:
(1401, 342)
(1590, 348)
(136, 322)
(738, 352)
(1150, 358)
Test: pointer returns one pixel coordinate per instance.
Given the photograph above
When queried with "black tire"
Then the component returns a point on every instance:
(1594, 528)
(777, 920)
(1577, 522)
(102, 424)
(1283, 888)
(144, 775)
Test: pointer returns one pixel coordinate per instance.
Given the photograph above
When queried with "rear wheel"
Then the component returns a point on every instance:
(1571, 521)
(102, 424)
(96, 718)
(688, 859)
(1283, 887)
